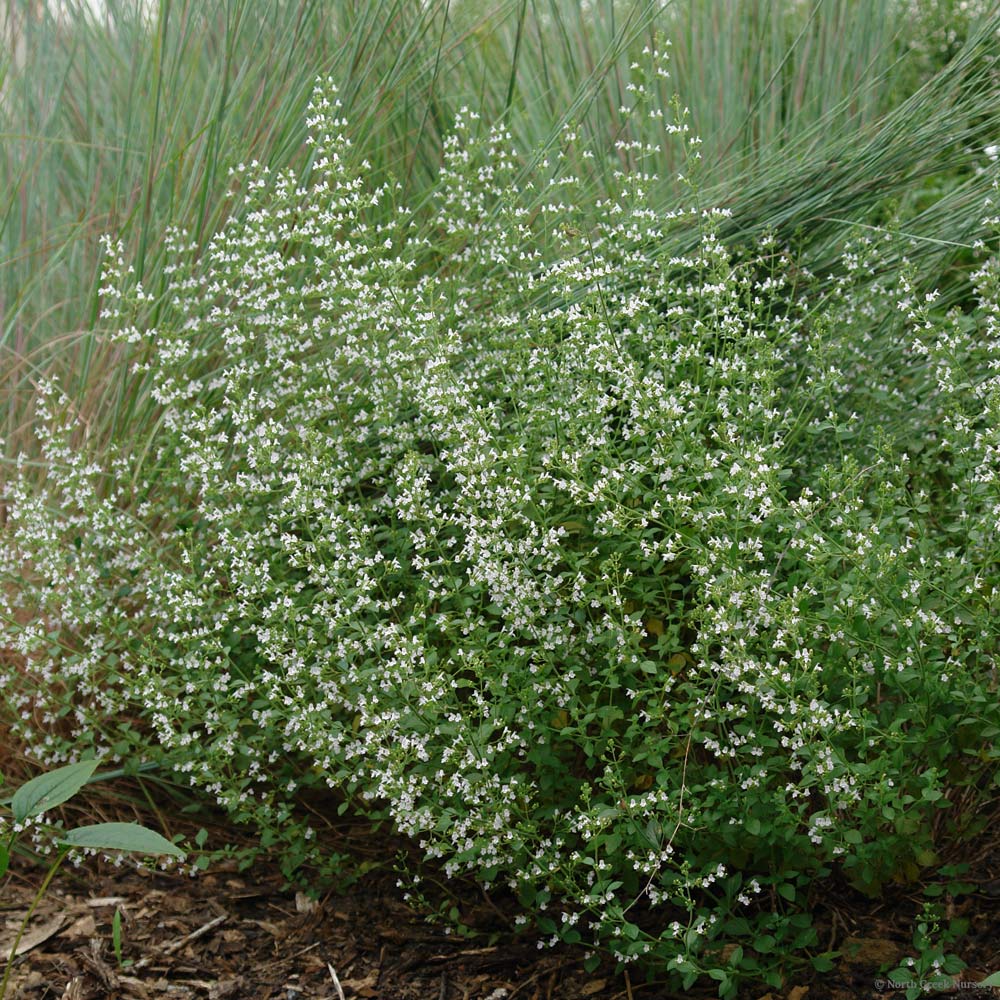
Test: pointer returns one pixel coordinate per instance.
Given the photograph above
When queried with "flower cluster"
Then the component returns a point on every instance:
(626, 580)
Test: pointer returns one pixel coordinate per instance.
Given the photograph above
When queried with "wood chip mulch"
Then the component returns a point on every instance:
(230, 935)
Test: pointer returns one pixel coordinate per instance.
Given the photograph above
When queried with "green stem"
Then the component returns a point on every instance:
(63, 851)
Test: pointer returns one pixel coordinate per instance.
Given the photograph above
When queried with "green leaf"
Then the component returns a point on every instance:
(765, 943)
(50, 789)
(116, 934)
(787, 891)
(752, 825)
(993, 980)
(121, 837)
(4, 859)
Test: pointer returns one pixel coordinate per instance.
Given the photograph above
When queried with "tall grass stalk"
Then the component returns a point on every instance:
(132, 121)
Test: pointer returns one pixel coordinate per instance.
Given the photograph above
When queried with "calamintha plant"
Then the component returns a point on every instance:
(626, 582)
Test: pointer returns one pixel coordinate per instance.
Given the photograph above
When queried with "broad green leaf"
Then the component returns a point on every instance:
(765, 943)
(993, 980)
(121, 837)
(50, 789)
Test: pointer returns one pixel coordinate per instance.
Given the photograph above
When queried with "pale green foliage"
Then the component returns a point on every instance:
(130, 124)
(641, 597)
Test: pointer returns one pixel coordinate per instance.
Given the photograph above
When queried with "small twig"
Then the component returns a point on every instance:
(628, 995)
(680, 820)
(194, 935)
(680, 801)
(282, 958)
(496, 909)
(443, 994)
(336, 982)
(628, 986)
(551, 985)
(836, 919)
(524, 984)
(63, 851)
(180, 942)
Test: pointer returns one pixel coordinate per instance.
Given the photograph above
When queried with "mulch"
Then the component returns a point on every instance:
(233, 934)
(227, 934)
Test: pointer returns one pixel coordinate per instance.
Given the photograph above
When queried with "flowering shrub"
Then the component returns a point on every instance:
(649, 587)
(941, 27)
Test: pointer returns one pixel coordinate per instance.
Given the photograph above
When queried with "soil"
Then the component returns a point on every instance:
(232, 934)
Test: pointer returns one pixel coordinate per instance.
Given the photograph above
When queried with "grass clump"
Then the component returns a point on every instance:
(130, 123)
(637, 598)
